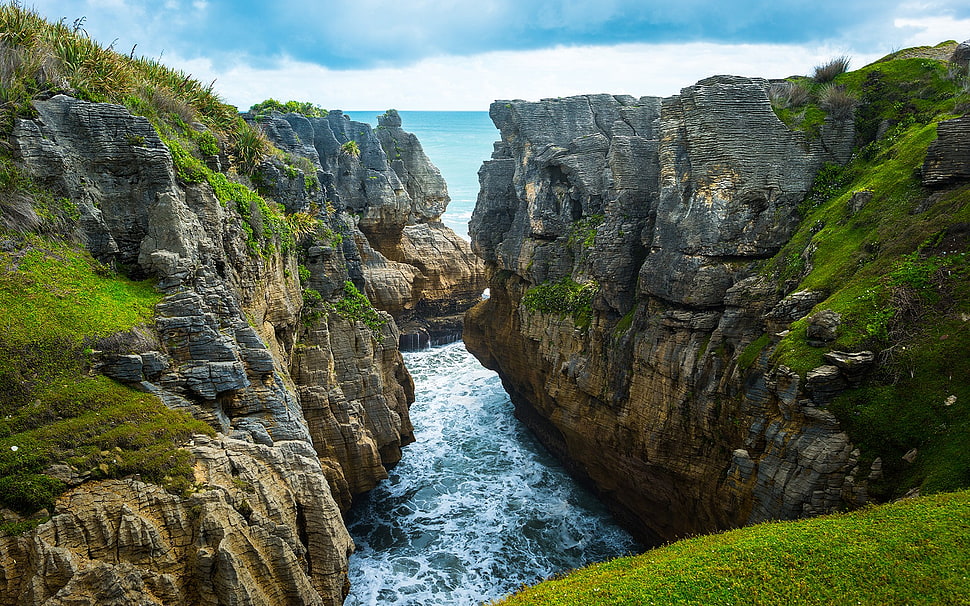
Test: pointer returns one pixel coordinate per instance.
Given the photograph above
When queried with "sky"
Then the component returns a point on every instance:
(462, 55)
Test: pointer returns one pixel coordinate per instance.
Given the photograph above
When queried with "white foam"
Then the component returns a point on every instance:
(476, 508)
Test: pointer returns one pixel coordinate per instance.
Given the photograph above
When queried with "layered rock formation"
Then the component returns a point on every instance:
(663, 207)
(409, 263)
(310, 406)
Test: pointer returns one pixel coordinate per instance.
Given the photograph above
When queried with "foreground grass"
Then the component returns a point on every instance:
(912, 552)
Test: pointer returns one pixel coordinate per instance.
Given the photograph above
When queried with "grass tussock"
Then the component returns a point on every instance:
(911, 552)
(827, 72)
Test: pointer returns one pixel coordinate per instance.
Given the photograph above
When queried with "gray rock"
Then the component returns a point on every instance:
(124, 368)
(823, 327)
(858, 201)
(948, 158)
(824, 383)
(853, 365)
(961, 55)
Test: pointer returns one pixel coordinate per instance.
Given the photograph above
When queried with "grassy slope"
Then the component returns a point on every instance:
(911, 552)
(56, 303)
(897, 271)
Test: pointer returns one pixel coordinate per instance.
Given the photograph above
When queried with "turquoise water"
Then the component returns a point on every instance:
(457, 143)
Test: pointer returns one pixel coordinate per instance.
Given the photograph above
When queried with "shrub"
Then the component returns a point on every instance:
(248, 147)
(837, 101)
(304, 108)
(788, 94)
(565, 296)
(828, 71)
(350, 148)
(355, 306)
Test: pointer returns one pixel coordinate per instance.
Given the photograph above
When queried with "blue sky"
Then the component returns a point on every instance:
(446, 54)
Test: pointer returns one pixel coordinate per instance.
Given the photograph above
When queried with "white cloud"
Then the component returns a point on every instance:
(931, 30)
(474, 82)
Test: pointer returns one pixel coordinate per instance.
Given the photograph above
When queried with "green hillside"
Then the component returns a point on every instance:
(912, 552)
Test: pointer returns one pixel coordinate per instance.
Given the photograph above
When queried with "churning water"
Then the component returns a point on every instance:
(477, 507)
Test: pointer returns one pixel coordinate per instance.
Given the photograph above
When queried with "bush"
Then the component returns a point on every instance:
(565, 296)
(355, 306)
(837, 101)
(788, 94)
(828, 71)
(350, 148)
(304, 108)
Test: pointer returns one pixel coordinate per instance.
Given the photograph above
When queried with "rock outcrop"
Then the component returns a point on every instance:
(310, 405)
(405, 259)
(264, 530)
(664, 207)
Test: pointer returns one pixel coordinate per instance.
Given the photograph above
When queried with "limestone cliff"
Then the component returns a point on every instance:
(310, 405)
(631, 315)
(407, 261)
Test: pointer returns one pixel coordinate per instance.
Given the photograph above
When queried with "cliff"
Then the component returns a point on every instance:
(196, 382)
(666, 275)
(410, 264)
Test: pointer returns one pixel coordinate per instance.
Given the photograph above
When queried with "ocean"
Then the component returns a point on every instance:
(457, 143)
(477, 507)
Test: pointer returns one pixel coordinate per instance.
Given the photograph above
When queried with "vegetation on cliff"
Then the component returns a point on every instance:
(61, 424)
(911, 552)
(58, 306)
(891, 256)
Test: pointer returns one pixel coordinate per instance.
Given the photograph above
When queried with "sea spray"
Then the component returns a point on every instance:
(477, 507)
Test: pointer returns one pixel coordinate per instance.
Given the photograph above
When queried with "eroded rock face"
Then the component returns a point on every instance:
(263, 530)
(309, 410)
(404, 258)
(666, 204)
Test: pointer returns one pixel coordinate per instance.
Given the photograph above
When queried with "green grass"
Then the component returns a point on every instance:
(565, 296)
(55, 304)
(911, 552)
(898, 275)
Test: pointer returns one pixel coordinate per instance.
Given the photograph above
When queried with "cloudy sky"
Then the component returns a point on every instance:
(462, 54)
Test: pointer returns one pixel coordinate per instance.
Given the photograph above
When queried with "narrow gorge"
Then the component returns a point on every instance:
(730, 305)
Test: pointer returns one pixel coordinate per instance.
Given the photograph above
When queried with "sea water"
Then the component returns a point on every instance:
(457, 143)
(477, 507)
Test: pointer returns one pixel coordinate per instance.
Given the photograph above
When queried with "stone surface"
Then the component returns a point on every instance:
(667, 205)
(389, 200)
(263, 530)
(311, 408)
(823, 327)
(961, 55)
(948, 158)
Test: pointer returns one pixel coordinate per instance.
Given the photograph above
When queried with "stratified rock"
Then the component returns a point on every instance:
(823, 327)
(948, 158)
(263, 530)
(824, 383)
(664, 206)
(853, 365)
(422, 179)
(961, 55)
(223, 343)
(406, 261)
